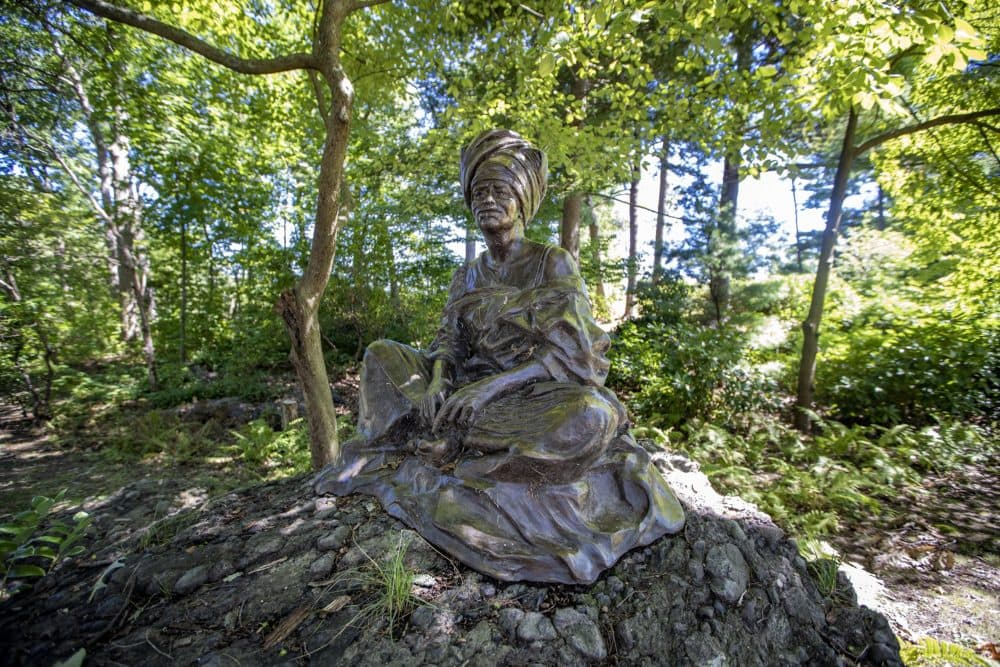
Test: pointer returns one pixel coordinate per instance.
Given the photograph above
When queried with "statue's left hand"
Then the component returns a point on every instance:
(462, 406)
(434, 397)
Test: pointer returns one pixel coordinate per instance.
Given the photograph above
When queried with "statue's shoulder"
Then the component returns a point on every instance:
(556, 261)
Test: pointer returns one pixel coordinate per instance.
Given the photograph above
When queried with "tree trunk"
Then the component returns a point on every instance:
(299, 307)
(569, 229)
(798, 234)
(184, 283)
(470, 244)
(810, 327)
(633, 238)
(661, 210)
(595, 249)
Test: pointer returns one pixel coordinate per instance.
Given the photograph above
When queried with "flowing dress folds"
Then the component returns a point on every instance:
(548, 485)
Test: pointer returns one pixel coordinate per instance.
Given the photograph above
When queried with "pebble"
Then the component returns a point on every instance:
(335, 539)
(191, 579)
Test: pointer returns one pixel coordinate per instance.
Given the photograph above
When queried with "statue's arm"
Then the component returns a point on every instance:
(465, 404)
(446, 352)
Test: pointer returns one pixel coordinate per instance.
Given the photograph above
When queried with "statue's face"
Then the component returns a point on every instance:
(494, 204)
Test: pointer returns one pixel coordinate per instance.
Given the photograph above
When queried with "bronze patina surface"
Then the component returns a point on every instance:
(500, 445)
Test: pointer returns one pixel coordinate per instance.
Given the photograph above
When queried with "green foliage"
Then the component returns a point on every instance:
(389, 585)
(808, 483)
(162, 530)
(29, 549)
(159, 434)
(930, 652)
(186, 383)
(672, 368)
(274, 453)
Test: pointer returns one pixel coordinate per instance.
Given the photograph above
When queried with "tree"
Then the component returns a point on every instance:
(871, 67)
(299, 306)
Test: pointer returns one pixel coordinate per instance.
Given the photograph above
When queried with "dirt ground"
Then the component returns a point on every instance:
(935, 556)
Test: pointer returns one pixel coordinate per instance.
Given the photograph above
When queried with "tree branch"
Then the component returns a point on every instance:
(187, 40)
(950, 119)
(362, 4)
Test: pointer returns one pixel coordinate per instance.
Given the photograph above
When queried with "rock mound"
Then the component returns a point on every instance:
(273, 575)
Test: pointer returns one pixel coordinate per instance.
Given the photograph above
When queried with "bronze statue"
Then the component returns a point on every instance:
(501, 445)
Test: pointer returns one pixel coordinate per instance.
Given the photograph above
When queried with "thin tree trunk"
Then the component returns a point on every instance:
(184, 285)
(661, 211)
(798, 234)
(633, 239)
(595, 249)
(810, 327)
(470, 244)
(569, 228)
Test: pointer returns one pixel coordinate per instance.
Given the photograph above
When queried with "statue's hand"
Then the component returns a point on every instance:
(434, 397)
(463, 406)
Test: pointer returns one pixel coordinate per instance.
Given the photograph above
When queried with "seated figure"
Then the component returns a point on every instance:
(500, 445)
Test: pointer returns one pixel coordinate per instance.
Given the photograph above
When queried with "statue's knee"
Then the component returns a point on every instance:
(589, 424)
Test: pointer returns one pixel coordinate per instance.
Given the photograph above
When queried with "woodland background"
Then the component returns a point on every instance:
(155, 206)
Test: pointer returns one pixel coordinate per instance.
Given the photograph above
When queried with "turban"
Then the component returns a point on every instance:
(520, 163)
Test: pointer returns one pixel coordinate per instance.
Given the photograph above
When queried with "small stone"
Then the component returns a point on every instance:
(615, 585)
(191, 580)
(424, 581)
(696, 570)
(479, 636)
(535, 627)
(625, 635)
(335, 539)
(581, 633)
(729, 571)
(422, 617)
(508, 620)
(322, 566)
(488, 590)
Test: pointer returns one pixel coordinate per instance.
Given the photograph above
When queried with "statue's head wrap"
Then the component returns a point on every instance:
(507, 155)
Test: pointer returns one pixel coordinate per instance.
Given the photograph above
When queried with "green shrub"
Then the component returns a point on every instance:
(811, 483)
(272, 453)
(29, 550)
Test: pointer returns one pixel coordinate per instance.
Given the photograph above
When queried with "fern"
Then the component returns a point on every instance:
(931, 652)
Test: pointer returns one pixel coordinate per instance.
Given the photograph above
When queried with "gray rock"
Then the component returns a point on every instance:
(191, 579)
(509, 619)
(322, 566)
(334, 540)
(535, 627)
(581, 633)
(422, 617)
(728, 570)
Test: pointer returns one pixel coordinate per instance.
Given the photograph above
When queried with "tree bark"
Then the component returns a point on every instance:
(470, 244)
(810, 327)
(798, 234)
(633, 238)
(595, 251)
(661, 211)
(569, 228)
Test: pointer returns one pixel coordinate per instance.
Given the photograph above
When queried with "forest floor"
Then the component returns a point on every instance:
(935, 554)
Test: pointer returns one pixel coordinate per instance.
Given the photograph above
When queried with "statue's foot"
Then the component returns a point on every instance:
(438, 451)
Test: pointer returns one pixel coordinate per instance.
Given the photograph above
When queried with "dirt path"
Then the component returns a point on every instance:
(937, 553)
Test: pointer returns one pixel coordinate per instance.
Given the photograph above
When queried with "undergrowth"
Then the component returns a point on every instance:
(389, 586)
(810, 483)
(30, 546)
